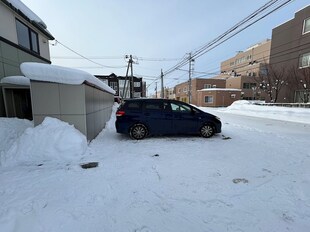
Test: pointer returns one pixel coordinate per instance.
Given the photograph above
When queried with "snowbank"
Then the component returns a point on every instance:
(16, 80)
(58, 74)
(11, 129)
(53, 140)
(247, 108)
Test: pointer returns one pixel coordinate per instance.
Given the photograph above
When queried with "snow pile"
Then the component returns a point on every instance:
(53, 140)
(16, 80)
(58, 74)
(243, 107)
(11, 129)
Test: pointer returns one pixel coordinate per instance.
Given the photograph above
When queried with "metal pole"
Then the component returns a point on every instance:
(190, 79)
(131, 79)
(125, 84)
(162, 85)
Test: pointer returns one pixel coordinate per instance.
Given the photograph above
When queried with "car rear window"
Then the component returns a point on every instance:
(133, 105)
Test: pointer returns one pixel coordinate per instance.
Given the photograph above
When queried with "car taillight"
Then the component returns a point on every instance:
(120, 113)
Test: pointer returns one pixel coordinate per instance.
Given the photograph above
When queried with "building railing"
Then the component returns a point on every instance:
(297, 105)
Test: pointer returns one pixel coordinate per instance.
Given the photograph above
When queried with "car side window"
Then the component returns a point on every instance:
(167, 106)
(153, 105)
(180, 108)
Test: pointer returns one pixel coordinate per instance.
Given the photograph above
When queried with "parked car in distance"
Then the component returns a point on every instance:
(143, 116)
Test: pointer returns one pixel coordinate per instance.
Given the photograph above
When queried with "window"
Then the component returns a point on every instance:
(304, 60)
(180, 107)
(113, 85)
(153, 105)
(207, 86)
(208, 99)
(185, 89)
(306, 27)
(26, 37)
(133, 105)
(137, 94)
(137, 84)
(249, 85)
(179, 90)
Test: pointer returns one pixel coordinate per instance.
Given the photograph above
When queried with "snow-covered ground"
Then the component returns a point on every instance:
(254, 176)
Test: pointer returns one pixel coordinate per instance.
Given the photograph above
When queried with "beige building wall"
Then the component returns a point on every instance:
(248, 85)
(182, 90)
(217, 97)
(85, 107)
(248, 62)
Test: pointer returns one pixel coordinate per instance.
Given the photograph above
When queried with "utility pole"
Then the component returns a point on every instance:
(131, 79)
(131, 84)
(190, 71)
(162, 94)
(156, 90)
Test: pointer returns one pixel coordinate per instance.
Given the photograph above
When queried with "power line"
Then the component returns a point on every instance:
(84, 57)
(225, 36)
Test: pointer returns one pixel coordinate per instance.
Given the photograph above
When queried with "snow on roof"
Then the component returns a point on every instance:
(16, 80)
(219, 89)
(63, 75)
(27, 12)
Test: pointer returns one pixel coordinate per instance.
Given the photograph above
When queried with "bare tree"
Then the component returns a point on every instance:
(301, 80)
(271, 80)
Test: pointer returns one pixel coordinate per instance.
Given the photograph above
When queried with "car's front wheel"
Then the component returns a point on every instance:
(207, 131)
(138, 131)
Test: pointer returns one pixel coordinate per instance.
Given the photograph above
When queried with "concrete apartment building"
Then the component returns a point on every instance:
(182, 90)
(242, 70)
(249, 62)
(290, 52)
(23, 38)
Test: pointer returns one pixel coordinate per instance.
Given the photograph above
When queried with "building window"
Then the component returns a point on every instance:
(249, 85)
(208, 99)
(306, 27)
(185, 89)
(113, 85)
(207, 86)
(179, 90)
(137, 84)
(26, 37)
(137, 94)
(304, 60)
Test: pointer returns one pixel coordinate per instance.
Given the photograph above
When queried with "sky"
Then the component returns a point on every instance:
(157, 33)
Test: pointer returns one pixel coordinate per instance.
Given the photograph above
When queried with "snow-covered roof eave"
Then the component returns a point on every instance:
(21, 9)
(63, 75)
(16, 80)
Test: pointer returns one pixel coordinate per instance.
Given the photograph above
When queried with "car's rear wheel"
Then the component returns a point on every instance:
(138, 131)
(207, 131)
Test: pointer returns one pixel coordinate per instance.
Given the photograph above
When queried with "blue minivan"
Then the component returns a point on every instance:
(142, 117)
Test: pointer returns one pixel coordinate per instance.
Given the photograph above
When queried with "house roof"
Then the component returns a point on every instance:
(22, 10)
